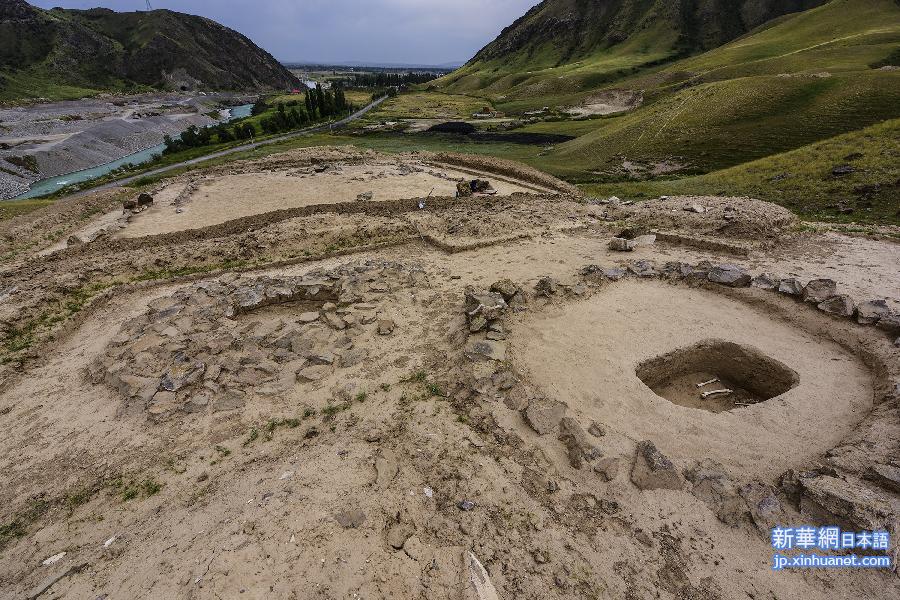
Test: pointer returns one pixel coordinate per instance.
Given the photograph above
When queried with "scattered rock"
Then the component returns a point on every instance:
(578, 445)
(386, 326)
(841, 306)
(887, 476)
(730, 275)
(765, 281)
(889, 323)
(486, 350)
(790, 287)
(308, 317)
(652, 470)
(643, 268)
(695, 208)
(819, 290)
(763, 504)
(506, 288)
(365, 196)
(465, 505)
(614, 274)
(715, 488)
(869, 313)
(482, 307)
(546, 287)
(832, 501)
(544, 415)
(621, 245)
(842, 170)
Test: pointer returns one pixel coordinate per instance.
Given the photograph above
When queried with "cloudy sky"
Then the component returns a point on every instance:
(395, 31)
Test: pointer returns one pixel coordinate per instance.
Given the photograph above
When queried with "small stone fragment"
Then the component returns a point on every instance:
(652, 470)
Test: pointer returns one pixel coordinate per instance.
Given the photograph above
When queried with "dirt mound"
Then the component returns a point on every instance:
(712, 216)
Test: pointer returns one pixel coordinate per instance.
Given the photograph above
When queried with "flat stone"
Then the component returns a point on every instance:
(889, 323)
(230, 400)
(717, 491)
(790, 287)
(544, 415)
(765, 281)
(614, 274)
(819, 290)
(730, 275)
(314, 373)
(643, 268)
(869, 313)
(486, 350)
(621, 245)
(386, 327)
(643, 240)
(578, 445)
(652, 470)
(830, 500)
(840, 306)
(308, 317)
(505, 287)
(183, 373)
(887, 476)
(763, 506)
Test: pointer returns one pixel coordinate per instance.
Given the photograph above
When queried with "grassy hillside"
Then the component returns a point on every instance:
(804, 179)
(801, 79)
(562, 47)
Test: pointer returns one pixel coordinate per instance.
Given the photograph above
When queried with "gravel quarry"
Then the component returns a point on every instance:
(310, 376)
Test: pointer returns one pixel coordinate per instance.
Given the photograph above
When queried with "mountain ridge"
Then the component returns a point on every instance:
(100, 49)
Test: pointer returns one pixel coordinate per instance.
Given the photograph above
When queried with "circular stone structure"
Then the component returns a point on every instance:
(589, 355)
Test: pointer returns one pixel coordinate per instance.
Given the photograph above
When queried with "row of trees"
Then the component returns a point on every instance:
(317, 104)
(385, 80)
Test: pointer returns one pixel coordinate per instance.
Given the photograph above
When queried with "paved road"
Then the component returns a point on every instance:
(242, 148)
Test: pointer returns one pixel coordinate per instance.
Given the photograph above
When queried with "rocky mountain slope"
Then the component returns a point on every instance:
(58, 53)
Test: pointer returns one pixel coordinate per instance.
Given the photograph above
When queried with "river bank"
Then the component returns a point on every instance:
(80, 140)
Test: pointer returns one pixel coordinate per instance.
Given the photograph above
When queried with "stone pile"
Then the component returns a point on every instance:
(822, 293)
(205, 349)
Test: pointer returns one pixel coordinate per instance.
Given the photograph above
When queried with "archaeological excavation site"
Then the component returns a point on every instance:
(333, 373)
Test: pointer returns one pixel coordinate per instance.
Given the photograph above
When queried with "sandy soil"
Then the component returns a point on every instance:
(579, 348)
(347, 435)
(228, 197)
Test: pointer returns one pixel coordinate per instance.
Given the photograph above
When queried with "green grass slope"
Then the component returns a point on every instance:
(804, 181)
(805, 78)
(566, 46)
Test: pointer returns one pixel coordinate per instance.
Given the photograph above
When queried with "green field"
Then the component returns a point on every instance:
(430, 105)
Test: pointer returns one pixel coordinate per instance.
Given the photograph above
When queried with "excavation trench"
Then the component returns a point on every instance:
(717, 375)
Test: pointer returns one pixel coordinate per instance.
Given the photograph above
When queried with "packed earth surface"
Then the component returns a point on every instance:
(333, 373)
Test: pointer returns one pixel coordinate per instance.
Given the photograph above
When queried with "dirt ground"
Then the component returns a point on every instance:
(223, 198)
(328, 401)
